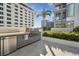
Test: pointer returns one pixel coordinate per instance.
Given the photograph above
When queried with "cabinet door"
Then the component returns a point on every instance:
(9, 44)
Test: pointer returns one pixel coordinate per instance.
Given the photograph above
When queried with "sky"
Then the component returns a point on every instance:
(37, 7)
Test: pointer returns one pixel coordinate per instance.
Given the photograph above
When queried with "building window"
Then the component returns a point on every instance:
(71, 10)
(32, 25)
(25, 24)
(29, 11)
(1, 4)
(21, 18)
(16, 13)
(16, 19)
(21, 24)
(21, 11)
(25, 21)
(32, 13)
(29, 16)
(21, 8)
(1, 17)
(16, 6)
(8, 18)
(1, 13)
(25, 12)
(25, 18)
(1, 8)
(25, 15)
(32, 17)
(1, 21)
(8, 10)
(8, 14)
(8, 22)
(16, 9)
(29, 24)
(16, 23)
(16, 16)
(21, 14)
(8, 6)
(29, 19)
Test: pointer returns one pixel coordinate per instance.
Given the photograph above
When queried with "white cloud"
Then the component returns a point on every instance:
(50, 4)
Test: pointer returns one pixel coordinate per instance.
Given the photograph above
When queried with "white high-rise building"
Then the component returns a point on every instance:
(60, 15)
(16, 15)
(73, 13)
(68, 12)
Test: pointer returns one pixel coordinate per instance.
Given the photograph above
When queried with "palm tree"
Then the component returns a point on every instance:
(43, 13)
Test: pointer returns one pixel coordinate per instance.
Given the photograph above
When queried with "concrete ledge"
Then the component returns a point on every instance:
(62, 29)
(13, 34)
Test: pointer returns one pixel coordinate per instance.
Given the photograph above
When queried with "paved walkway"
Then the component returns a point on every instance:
(46, 47)
(35, 49)
(62, 47)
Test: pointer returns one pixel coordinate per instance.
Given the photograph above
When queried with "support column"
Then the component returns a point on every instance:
(2, 46)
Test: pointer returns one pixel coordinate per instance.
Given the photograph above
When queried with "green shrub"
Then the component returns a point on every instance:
(63, 35)
(76, 29)
(46, 28)
(45, 34)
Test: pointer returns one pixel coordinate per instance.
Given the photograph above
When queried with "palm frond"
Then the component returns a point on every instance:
(48, 11)
(44, 13)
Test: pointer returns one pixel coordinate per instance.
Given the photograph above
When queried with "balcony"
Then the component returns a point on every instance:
(59, 10)
(60, 18)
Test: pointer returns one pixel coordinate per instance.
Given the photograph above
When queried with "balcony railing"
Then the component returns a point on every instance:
(10, 42)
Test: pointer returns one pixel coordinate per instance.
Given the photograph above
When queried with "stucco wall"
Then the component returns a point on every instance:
(12, 29)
